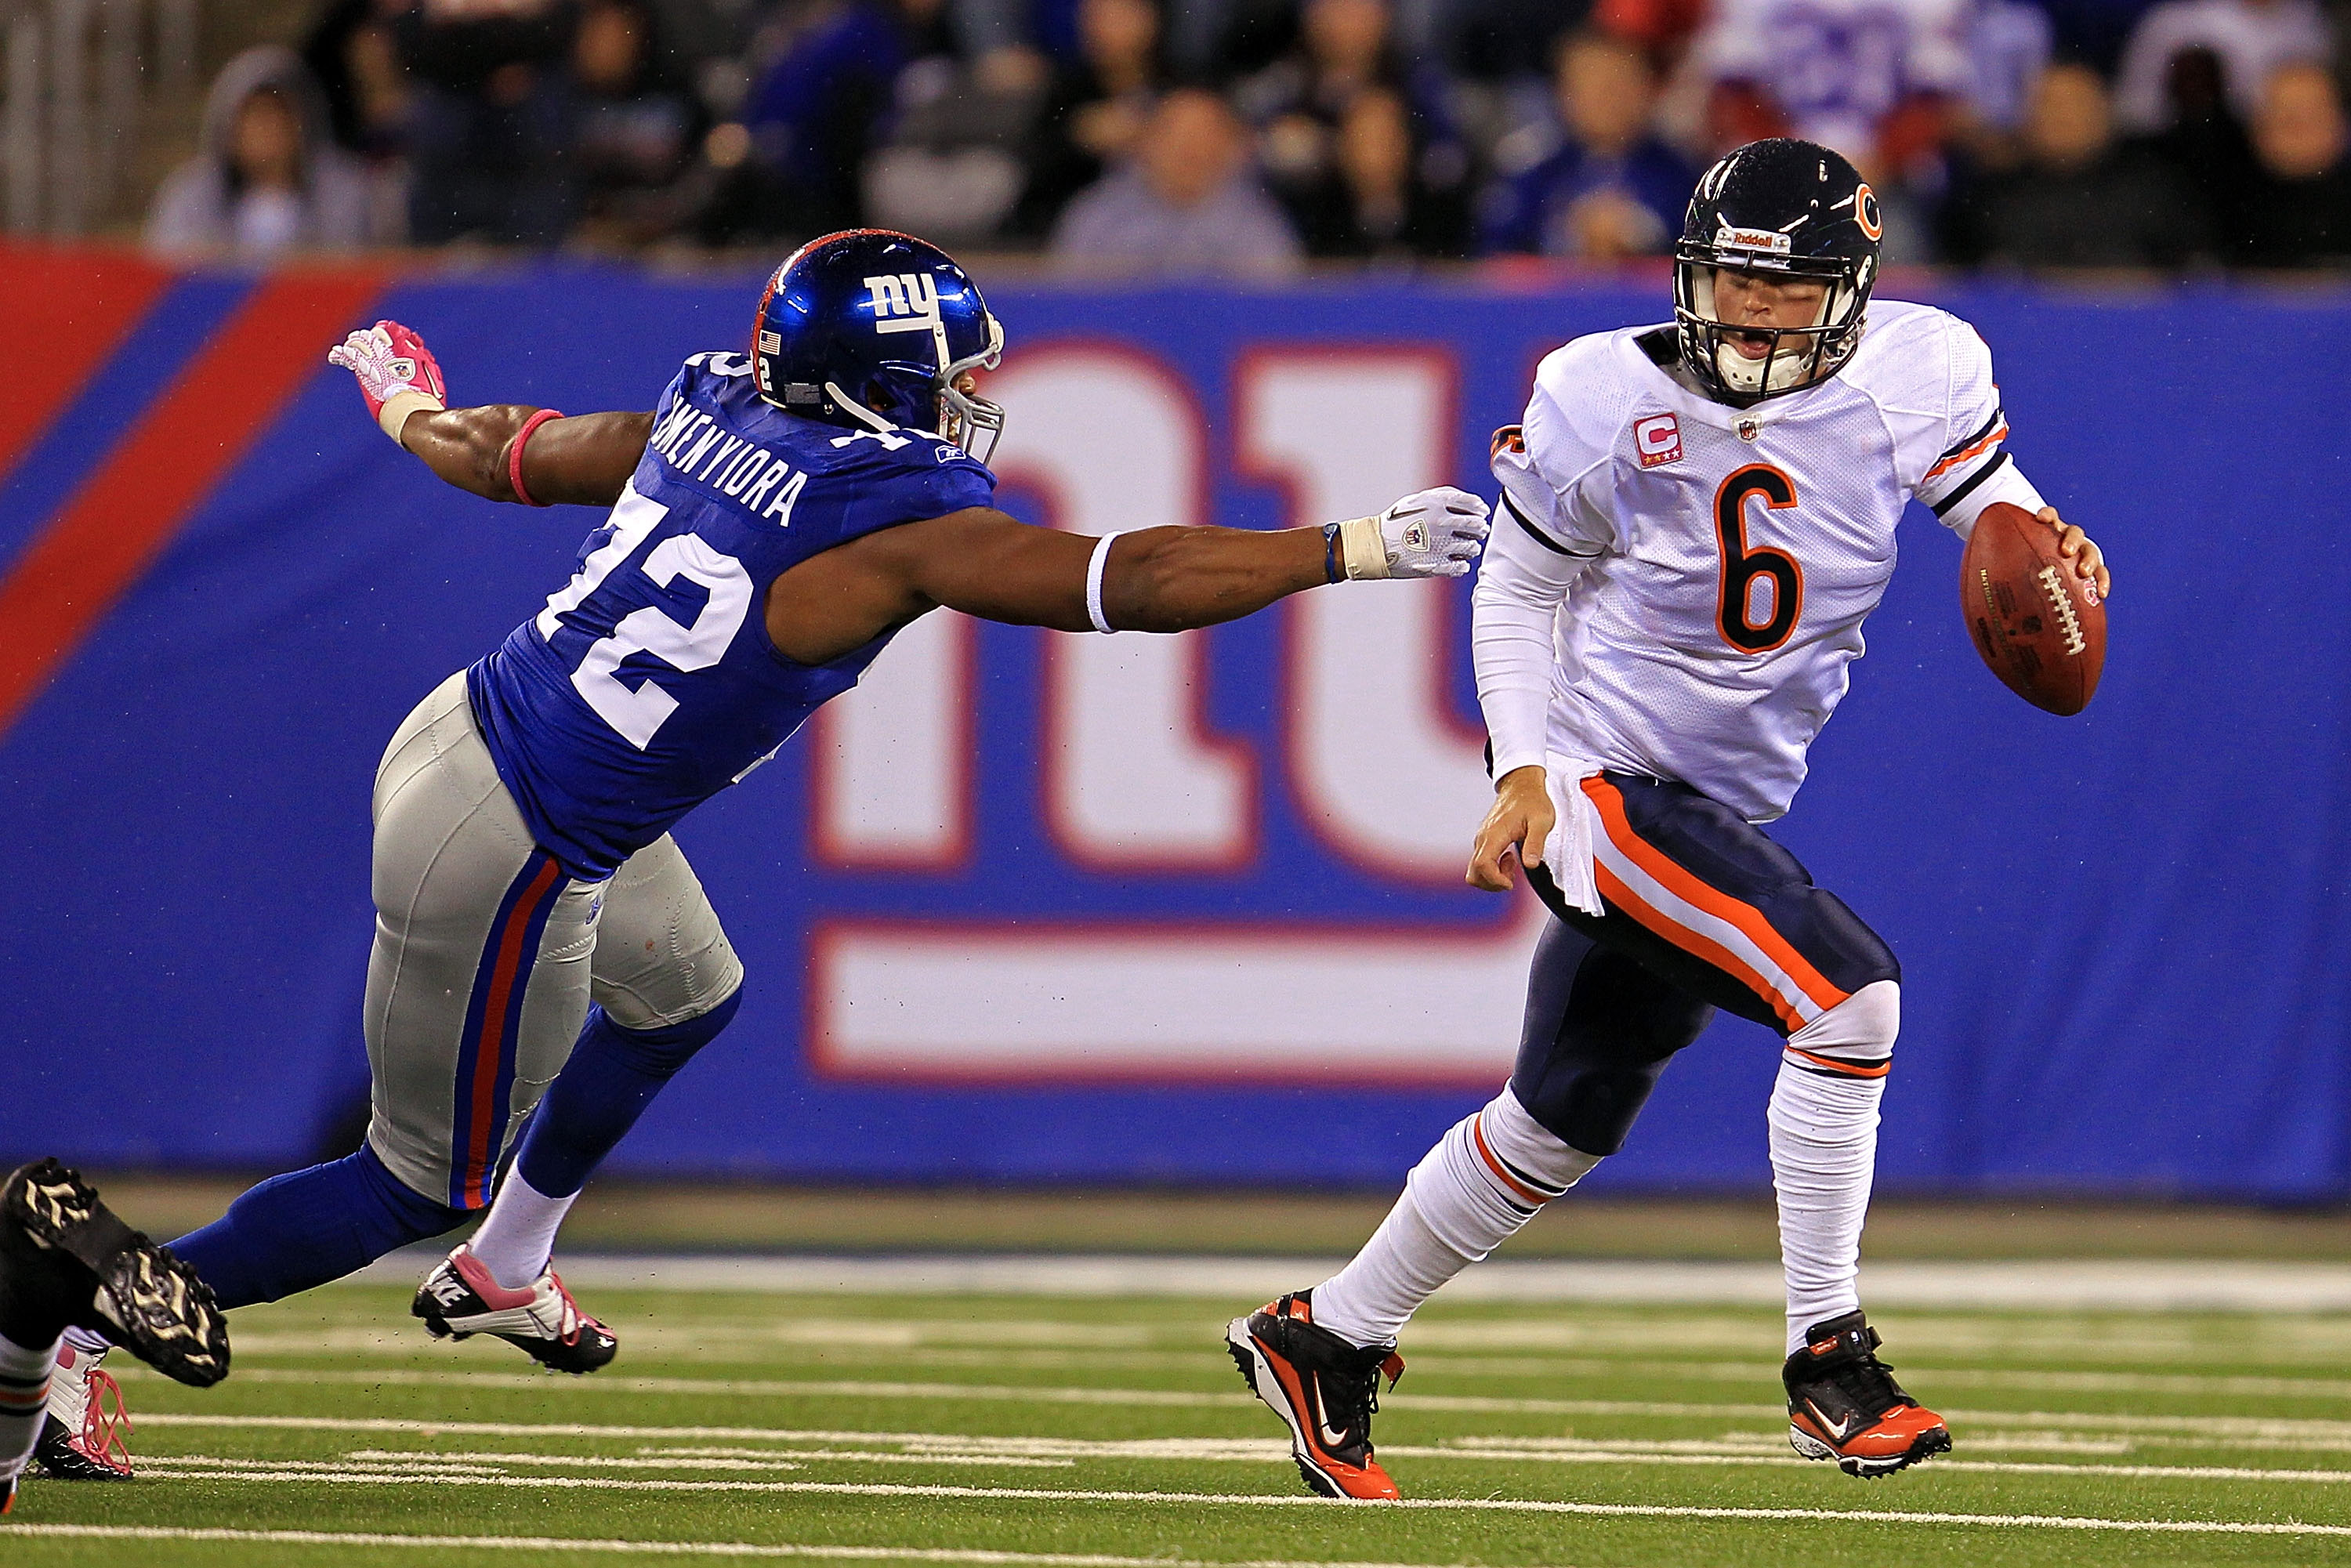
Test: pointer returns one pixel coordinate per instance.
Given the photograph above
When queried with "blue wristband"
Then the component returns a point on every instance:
(1333, 571)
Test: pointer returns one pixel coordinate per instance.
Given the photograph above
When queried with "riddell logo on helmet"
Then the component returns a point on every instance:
(1658, 439)
(1771, 240)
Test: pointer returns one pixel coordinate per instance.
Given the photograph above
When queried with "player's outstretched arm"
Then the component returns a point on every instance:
(988, 564)
(586, 460)
(505, 452)
(998, 568)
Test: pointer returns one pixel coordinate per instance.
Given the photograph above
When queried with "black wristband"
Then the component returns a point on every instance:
(1333, 569)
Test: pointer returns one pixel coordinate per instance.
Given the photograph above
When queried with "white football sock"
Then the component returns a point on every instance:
(23, 1402)
(1823, 1122)
(88, 1343)
(1483, 1180)
(517, 1236)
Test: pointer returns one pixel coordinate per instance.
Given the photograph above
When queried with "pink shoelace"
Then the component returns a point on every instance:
(101, 1428)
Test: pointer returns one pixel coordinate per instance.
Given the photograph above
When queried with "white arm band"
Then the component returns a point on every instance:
(2006, 484)
(1095, 584)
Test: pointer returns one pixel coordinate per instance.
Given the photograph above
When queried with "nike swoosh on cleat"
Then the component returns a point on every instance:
(1322, 1428)
(1838, 1431)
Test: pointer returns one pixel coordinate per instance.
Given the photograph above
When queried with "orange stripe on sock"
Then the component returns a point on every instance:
(1501, 1171)
(1672, 877)
(1843, 1069)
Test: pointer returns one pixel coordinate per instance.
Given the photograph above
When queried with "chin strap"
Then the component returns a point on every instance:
(857, 411)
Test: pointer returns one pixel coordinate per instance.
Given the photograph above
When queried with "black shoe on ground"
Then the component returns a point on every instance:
(65, 1259)
(1324, 1389)
(1843, 1404)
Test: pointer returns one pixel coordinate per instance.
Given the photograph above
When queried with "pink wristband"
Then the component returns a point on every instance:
(514, 454)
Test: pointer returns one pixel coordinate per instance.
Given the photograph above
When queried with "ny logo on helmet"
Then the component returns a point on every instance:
(908, 302)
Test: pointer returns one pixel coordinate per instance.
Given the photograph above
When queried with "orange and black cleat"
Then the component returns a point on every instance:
(1323, 1388)
(1843, 1404)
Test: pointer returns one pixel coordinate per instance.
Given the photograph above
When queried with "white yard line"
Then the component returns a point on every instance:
(402, 1463)
(790, 1388)
(797, 1388)
(1253, 1499)
(2108, 1285)
(1534, 1365)
(666, 1548)
(743, 1459)
(2214, 1431)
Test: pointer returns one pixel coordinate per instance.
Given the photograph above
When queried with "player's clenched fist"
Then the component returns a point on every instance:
(397, 373)
(1521, 818)
(1429, 533)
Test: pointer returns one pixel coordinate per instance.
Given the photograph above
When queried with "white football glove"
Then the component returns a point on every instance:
(1429, 533)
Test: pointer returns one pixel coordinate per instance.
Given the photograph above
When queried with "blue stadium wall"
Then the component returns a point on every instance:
(2125, 936)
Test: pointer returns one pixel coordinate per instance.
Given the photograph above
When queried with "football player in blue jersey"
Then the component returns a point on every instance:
(776, 518)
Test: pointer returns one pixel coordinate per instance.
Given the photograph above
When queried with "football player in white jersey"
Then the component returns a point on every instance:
(1701, 515)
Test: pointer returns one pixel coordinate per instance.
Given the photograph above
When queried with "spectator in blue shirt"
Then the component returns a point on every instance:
(1601, 185)
(828, 100)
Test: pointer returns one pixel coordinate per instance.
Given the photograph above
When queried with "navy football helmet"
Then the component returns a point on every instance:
(869, 329)
(1780, 208)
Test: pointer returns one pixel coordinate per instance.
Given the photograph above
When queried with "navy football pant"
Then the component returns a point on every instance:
(1702, 911)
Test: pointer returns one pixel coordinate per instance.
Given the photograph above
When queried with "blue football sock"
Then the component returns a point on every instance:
(309, 1227)
(611, 1076)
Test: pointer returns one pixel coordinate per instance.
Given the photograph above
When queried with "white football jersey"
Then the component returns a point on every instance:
(1723, 560)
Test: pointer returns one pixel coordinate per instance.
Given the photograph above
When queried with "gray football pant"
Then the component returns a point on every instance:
(486, 954)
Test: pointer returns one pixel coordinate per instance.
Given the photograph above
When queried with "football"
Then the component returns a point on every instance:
(2042, 628)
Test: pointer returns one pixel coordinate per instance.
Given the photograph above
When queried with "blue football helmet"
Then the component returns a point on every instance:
(869, 329)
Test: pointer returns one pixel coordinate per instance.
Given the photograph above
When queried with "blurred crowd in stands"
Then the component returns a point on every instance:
(1247, 136)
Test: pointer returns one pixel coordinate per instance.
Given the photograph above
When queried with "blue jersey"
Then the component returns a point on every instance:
(649, 683)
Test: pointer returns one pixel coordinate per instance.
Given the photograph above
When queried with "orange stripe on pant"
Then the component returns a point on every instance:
(110, 533)
(1674, 878)
(1696, 944)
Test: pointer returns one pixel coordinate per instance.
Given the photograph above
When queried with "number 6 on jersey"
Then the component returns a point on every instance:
(1741, 566)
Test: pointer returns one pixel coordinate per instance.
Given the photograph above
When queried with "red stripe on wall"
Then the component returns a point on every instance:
(92, 553)
(73, 309)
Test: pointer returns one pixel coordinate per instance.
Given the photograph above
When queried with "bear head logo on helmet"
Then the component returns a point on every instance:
(872, 331)
(1775, 209)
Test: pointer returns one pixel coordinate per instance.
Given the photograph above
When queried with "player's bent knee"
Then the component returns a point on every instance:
(698, 983)
(1857, 1034)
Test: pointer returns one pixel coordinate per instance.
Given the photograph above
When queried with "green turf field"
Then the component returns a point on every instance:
(1094, 1434)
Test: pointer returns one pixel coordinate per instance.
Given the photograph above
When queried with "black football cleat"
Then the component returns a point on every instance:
(65, 1259)
(1843, 1404)
(1325, 1391)
(459, 1300)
